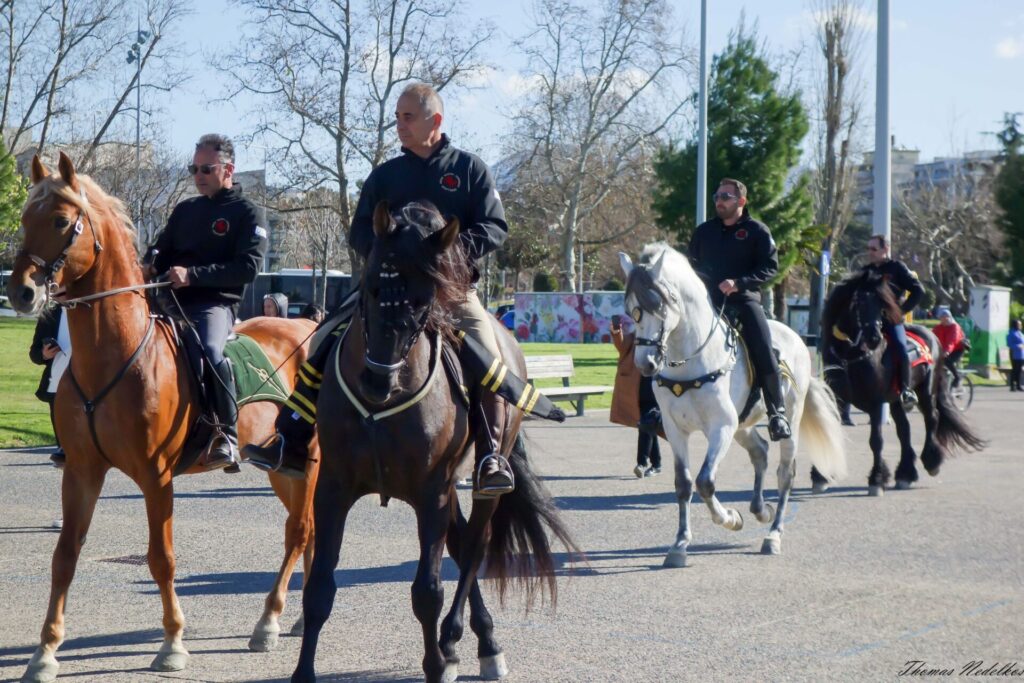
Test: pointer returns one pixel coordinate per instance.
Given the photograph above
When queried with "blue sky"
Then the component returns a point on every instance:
(957, 66)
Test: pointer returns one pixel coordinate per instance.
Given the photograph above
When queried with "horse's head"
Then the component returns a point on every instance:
(857, 311)
(655, 309)
(52, 255)
(415, 272)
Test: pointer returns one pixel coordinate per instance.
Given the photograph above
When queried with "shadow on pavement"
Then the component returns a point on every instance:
(260, 492)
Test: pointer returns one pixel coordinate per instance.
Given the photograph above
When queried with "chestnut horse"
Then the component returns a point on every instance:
(78, 242)
(400, 428)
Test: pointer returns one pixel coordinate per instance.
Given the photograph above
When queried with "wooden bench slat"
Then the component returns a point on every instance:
(561, 367)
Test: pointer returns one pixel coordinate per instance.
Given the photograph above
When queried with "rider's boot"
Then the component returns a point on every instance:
(287, 450)
(493, 474)
(907, 396)
(223, 450)
(778, 425)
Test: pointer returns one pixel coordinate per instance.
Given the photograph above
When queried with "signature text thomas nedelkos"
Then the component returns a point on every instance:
(979, 667)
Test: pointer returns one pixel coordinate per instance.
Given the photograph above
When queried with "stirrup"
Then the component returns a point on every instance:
(271, 465)
(495, 490)
(908, 399)
(778, 427)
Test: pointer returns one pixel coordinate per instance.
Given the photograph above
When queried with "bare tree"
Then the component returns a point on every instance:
(948, 231)
(329, 71)
(603, 87)
(314, 237)
(839, 40)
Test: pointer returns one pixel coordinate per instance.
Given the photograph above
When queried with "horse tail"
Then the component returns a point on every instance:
(519, 550)
(952, 430)
(821, 430)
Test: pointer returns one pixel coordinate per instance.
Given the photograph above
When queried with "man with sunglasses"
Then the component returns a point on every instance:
(735, 255)
(460, 185)
(211, 249)
(901, 281)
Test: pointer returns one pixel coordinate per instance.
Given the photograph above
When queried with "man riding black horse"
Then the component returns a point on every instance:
(900, 280)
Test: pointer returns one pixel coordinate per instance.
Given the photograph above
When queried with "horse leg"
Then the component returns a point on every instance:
(906, 472)
(469, 555)
(718, 442)
(297, 498)
(307, 567)
(159, 495)
(772, 544)
(680, 441)
(757, 449)
(879, 475)
(427, 592)
(79, 491)
(330, 510)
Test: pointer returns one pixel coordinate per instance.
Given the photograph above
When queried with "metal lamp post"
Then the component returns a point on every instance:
(135, 57)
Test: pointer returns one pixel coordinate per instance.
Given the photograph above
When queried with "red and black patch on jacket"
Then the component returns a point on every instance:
(450, 182)
(220, 227)
(741, 234)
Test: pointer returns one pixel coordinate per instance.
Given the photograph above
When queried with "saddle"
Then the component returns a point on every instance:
(918, 350)
(255, 380)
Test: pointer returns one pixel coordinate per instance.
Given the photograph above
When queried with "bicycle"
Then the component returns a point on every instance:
(963, 395)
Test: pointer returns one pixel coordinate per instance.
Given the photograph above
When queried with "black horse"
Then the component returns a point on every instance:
(398, 426)
(859, 371)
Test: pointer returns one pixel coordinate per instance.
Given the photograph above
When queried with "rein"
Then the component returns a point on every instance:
(71, 303)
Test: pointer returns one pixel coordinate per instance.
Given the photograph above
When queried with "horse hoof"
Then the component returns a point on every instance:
(42, 668)
(767, 514)
(903, 485)
(876, 491)
(772, 544)
(493, 668)
(735, 520)
(933, 472)
(819, 487)
(676, 559)
(450, 673)
(170, 657)
(297, 627)
(263, 640)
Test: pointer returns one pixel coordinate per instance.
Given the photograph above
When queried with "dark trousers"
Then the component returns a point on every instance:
(647, 450)
(898, 334)
(213, 323)
(952, 363)
(1015, 372)
(755, 332)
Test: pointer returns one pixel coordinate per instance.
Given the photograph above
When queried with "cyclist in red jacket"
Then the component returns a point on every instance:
(953, 341)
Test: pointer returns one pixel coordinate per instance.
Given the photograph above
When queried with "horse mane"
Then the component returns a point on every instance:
(838, 302)
(55, 186)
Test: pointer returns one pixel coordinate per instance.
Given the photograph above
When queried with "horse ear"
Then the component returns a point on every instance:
(626, 263)
(39, 171)
(449, 233)
(67, 170)
(382, 223)
(656, 264)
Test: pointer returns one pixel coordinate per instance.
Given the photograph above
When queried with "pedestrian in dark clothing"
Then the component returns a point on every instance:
(1015, 342)
(314, 312)
(51, 348)
(735, 255)
(275, 305)
(901, 281)
(211, 249)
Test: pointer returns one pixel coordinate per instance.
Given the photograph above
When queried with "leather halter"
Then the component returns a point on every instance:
(50, 269)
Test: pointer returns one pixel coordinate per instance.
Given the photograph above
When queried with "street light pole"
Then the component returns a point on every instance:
(135, 56)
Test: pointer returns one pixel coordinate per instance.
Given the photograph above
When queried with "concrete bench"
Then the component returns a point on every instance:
(560, 367)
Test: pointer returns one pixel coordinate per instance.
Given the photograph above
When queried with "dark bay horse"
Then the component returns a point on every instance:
(399, 428)
(859, 372)
(78, 241)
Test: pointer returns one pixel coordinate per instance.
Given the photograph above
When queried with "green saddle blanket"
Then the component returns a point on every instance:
(255, 378)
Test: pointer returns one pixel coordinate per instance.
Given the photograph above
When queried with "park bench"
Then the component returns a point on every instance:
(560, 367)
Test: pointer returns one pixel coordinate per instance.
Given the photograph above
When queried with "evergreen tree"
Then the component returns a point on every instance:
(1010, 192)
(13, 192)
(754, 134)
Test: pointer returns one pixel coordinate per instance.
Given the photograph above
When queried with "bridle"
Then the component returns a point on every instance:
(660, 343)
(398, 299)
(50, 269)
(853, 342)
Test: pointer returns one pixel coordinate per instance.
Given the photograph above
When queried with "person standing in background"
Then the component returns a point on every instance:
(51, 348)
(634, 405)
(1015, 340)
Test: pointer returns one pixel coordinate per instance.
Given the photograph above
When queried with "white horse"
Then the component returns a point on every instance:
(703, 382)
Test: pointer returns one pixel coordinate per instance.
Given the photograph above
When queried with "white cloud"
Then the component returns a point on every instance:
(1010, 48)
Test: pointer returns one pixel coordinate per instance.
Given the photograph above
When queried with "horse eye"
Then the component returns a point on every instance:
(61, 222)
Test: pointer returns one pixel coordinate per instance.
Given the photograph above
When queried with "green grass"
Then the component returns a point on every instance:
(593, 363)
(24, 419)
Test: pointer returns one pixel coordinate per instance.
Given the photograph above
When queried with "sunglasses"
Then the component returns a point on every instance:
(205, 169)
(724, 196)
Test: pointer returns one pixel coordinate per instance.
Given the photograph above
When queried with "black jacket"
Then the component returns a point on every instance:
(220, 240)
(47, 325)
(744, 252)
(900, 280)
(458, 183)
